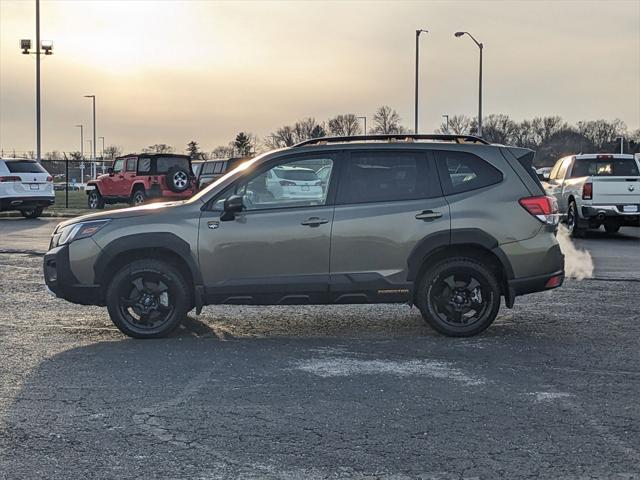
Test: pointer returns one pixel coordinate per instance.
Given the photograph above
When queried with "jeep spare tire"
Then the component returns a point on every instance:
(178, 179)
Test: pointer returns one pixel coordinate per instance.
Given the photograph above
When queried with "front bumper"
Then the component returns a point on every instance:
(61, 281)
(24, 203)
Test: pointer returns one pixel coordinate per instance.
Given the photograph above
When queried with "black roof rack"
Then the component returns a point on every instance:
(390, 137)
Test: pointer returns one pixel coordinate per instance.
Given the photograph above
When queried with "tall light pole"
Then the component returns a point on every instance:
(446, 117)
(81, 152)
(102, 154)
(418, 32)
(93, 159)
(480, 46)
(621, 144)
(365, 124)
(47, 46)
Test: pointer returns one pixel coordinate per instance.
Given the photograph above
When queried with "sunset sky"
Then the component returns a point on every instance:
(173, 71)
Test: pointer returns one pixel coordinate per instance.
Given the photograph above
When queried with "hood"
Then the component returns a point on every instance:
(144, 210)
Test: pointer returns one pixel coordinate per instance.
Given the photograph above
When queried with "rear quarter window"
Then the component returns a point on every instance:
(462, 172)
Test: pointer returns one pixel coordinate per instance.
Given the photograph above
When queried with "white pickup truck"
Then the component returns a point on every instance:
(596, 189)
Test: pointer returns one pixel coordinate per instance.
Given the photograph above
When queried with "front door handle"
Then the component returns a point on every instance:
(314, 221)
(428, 215)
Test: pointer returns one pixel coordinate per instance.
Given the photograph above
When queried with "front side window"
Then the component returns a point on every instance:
(387, 177)
(563, 168)
(291, 184)
(462, 172)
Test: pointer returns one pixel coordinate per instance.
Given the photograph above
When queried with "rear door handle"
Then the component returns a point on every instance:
(314, 221)
(428, 215)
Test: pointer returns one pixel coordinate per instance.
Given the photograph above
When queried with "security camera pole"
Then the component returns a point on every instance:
(418, 32)
(25, 46)
(480, 46)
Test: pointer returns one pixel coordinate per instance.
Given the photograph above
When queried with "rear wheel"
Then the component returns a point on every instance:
(32, 212)
(138, 198)
(148, 299)
(611, 228)
(95, 200)
(573, 222)
(459, 297)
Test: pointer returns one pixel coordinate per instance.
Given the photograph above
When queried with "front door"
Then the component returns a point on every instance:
(277, 249)
(387, 203)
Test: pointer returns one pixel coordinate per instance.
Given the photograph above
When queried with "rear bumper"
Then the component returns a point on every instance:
(537, 283)
(62, 283)
(22, 203)
(590, 211)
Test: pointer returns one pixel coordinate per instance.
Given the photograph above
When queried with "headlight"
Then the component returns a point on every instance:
(80, 230)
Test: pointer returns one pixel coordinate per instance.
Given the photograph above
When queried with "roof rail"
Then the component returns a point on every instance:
(390, 137)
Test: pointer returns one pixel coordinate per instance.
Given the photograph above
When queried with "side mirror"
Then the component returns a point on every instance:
(232, 205)
(110, 171)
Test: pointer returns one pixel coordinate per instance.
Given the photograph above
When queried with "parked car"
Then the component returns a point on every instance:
(25, 186)
(208, 171)
(451, 224)
(136, 178)
(596, 189)
(62, 186)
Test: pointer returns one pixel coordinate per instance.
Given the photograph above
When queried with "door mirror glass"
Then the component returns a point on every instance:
(110, 171)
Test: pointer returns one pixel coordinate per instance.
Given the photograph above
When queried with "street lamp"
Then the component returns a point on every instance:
(418, 32)
(446, 117)
(102, 154)
(47, 46)
(480, 46)
(621, 144)
(365, 123)
(81, 152)
(93, 159)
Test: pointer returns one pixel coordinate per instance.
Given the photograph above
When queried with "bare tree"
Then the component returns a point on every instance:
(602, 132)
(344, 125)
(223, 151)
(158, 148)
(112, 151)
(458, 125)
(544, 127)
(387, 120)
(498, 128)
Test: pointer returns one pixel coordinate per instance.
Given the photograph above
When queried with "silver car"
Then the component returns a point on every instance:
(448, 223)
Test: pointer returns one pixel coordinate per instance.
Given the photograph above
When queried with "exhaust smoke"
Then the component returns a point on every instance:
(578, 264)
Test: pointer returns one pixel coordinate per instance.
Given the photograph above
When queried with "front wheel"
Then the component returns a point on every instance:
(32, 213)
(148, 299)
(95, 200)
(459, 297)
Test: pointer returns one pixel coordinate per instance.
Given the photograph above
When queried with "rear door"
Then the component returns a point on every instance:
(33, 179)
(388, 201)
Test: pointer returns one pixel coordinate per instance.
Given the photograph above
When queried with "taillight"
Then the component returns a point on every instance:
(543, 208)
(587, 191)
(10, 179)
(287, 183)
(49, 178)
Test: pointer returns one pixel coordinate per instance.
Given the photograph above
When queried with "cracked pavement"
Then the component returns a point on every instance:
(359, 392)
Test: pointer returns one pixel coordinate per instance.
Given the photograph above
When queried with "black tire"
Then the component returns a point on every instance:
(178, 179)
(137, 303)
(32, 213)
(138, 198)
(450, 290)
(573, 222)
(611, 228)
(95, 201)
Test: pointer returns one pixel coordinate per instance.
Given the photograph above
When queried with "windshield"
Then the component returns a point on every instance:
(615, 167)
(232, 173)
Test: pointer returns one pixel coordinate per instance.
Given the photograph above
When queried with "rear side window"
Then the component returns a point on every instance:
(165, 163)
(144, 165)
(219, 167)
(462, 172)
(26, 166)
(387, 176)
(615, 167)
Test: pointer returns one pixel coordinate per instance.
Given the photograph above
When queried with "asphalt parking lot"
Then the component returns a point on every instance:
(549, 391)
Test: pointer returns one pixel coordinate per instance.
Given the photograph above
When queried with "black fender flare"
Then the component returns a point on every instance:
(146, 241)
(460, 236)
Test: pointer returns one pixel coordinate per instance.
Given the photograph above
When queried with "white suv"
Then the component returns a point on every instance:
(25, 186)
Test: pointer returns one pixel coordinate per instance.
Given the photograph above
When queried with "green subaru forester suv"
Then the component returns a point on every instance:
(447, 223)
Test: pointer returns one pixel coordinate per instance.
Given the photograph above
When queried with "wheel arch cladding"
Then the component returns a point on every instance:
(161, 246)
(469, 242)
